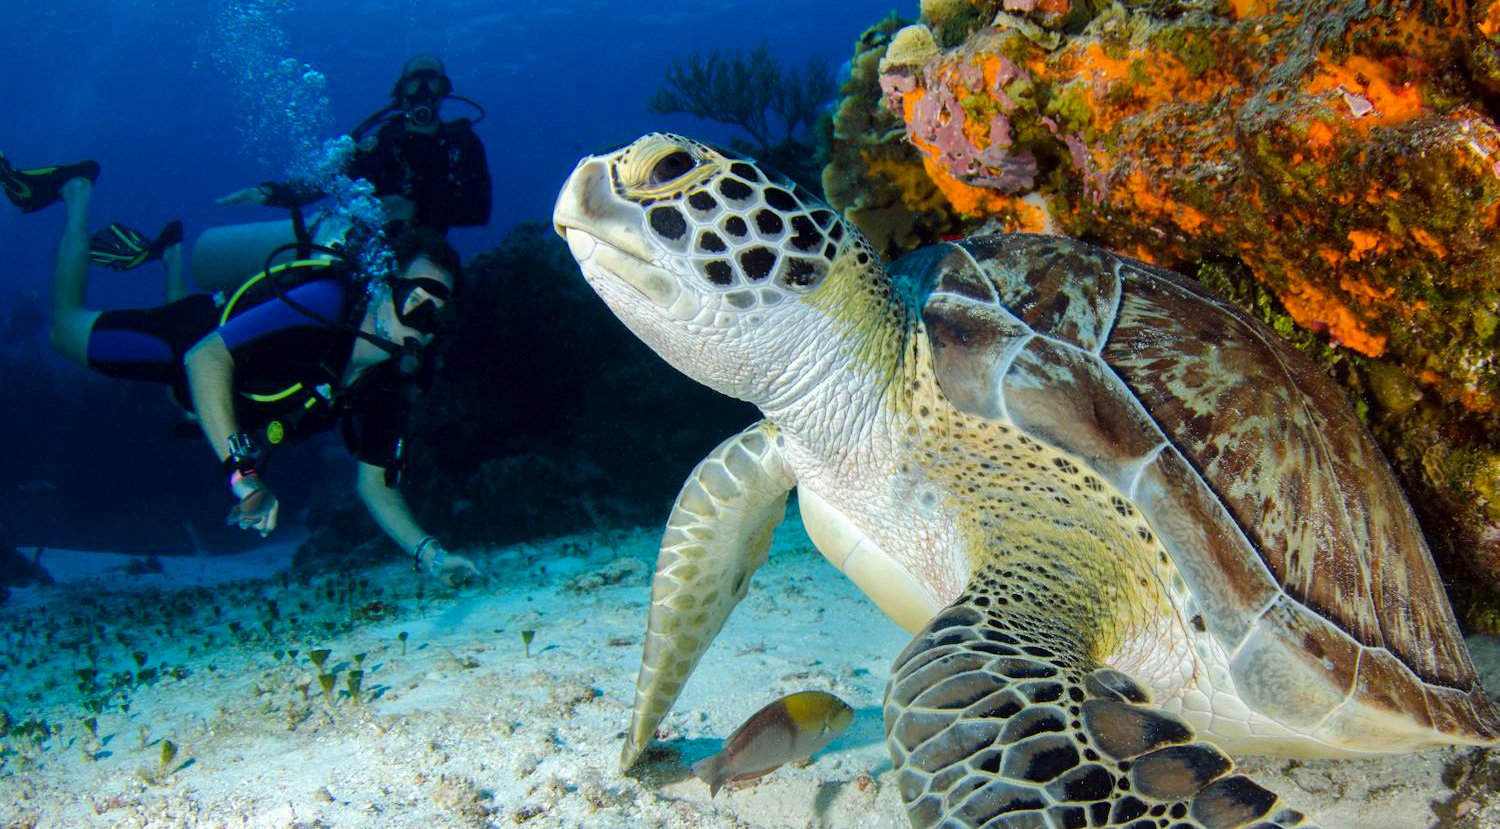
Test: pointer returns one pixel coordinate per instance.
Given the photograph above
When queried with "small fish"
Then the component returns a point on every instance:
(796, 726)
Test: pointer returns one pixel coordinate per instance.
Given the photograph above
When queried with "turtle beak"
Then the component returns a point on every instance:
(588, 203)
(570, 209)
(604, 230)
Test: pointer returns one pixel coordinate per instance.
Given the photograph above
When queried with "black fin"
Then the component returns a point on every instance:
(31, 190)
(121, 248)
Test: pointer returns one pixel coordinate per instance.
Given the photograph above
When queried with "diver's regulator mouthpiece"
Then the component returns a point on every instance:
(421, 115)
(419, 93)
(416, 96)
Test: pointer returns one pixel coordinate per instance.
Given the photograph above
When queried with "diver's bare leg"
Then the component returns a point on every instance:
(176, 273)
(71, 322)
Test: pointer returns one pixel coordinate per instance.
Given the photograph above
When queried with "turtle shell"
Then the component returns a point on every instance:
(1281, 514)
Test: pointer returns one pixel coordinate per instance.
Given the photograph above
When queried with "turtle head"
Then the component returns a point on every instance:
(714, 261)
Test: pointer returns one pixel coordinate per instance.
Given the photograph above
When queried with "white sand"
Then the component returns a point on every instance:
(463, 729)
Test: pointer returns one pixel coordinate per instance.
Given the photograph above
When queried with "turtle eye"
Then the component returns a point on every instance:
(671, 167)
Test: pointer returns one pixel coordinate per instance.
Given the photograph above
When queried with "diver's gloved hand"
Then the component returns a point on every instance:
(451, 570)
(258, 506)
(274, 194)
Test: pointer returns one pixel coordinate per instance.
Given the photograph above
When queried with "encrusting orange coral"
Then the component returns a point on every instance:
(1341, 178)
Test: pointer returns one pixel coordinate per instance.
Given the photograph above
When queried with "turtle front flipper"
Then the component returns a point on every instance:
(716, 538)
(994, 713)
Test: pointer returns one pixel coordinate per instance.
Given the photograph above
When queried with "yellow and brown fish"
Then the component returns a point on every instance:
(796, 726)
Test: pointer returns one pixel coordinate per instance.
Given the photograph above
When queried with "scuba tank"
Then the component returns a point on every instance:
(286, 268)
(224, 258)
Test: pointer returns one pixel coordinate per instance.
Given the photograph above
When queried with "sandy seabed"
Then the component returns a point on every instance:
(457, 725)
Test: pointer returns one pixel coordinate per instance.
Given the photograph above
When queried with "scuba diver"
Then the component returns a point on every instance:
(299, 348)
(426, 172)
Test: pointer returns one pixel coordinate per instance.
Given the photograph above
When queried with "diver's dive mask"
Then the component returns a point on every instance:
(420, 93)
(422, 304)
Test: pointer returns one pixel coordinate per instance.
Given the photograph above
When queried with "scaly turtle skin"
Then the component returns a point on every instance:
(1130, 529)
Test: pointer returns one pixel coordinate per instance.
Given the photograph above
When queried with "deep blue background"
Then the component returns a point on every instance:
(184, 102)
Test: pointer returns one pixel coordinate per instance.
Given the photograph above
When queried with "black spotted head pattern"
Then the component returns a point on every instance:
(746, 232)
(712, 259)
(746, 228)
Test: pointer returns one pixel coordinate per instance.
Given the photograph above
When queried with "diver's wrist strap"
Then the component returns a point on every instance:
(416, 553)
(244, 483)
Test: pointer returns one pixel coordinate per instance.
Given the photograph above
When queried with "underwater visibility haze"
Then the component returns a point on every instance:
(1089, 412)
(184, 104)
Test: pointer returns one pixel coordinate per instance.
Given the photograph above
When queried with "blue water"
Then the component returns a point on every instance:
(158, 93)
(184, 102)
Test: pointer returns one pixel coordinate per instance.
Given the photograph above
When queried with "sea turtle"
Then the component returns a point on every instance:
(1131, 530)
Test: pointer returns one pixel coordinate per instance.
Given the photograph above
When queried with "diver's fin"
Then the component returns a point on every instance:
(996, 712)
(119, 247)
(31, 190)
(122, 248)
(718, 535)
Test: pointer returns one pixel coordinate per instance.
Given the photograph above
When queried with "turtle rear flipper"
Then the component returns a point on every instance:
(716, 538)
(995, 713)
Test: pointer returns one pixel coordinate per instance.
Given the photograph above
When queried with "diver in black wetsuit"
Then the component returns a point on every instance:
(291, 353)
(415, 158)
(427, 172)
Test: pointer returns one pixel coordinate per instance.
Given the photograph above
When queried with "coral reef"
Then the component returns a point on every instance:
(1344, 156)
(757, 94)
(874, 175)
